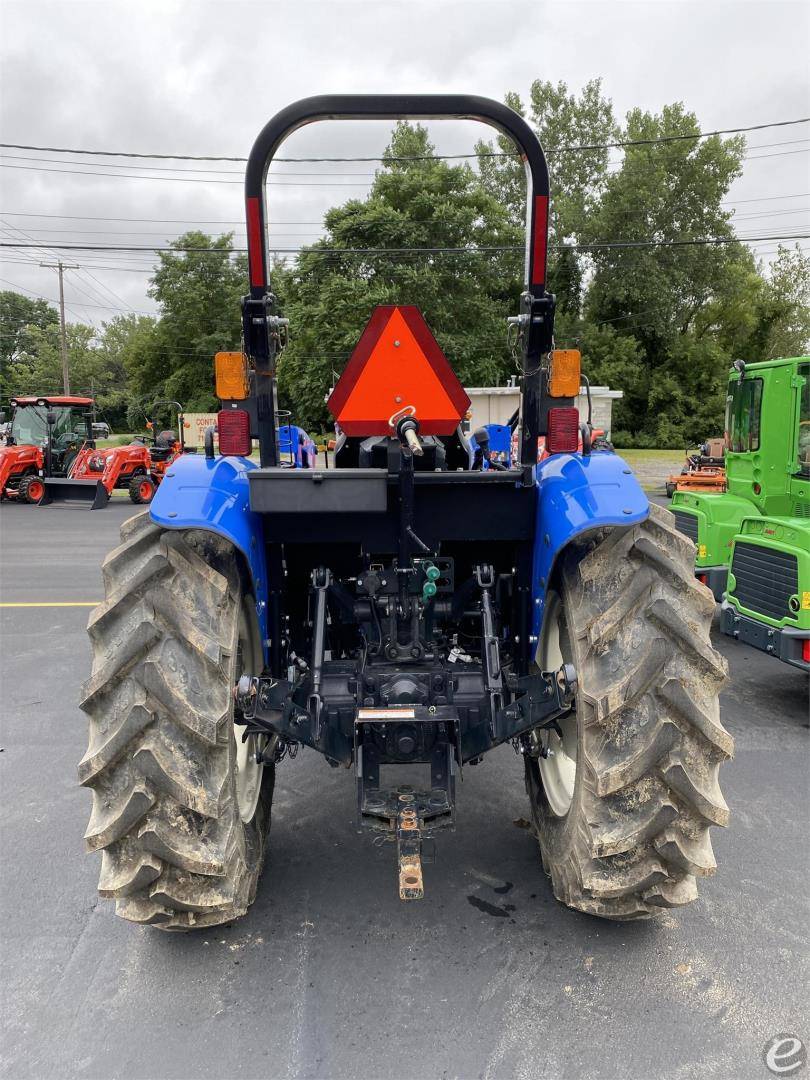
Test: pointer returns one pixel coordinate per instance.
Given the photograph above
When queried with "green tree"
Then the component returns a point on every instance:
(562, 120)
(423, 202)
(38, 364)
(784, 310)
(198, 292)
(671, 297)
(19, 315)
(124, 344)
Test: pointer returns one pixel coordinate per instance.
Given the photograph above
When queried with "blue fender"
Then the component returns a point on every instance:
(575, 494)
(204, 493)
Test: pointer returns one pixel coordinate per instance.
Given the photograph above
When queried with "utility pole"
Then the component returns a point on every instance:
(61, 267)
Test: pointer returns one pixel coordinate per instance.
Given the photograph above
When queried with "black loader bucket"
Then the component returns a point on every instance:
(89, 493)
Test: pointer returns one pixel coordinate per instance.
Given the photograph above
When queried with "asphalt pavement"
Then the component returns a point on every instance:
(329, 975)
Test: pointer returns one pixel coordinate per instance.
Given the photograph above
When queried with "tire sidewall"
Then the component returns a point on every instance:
(557, 835)
(254, 831)
(225, 562)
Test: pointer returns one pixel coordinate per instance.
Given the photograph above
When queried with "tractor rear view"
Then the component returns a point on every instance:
(407, 611)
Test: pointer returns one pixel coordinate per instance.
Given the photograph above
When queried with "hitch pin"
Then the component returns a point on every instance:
(412, 439)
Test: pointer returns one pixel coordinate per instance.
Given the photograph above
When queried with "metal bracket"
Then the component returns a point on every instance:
(490, 649)
(404, 814)
(409, 851)
(538, 700)
(321, 580)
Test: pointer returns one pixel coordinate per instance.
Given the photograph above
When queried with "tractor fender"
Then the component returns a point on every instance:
(16, 461)
(212, 493)
(575, 494)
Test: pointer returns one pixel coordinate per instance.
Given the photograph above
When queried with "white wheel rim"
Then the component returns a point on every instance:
(558, 771)
(248, 772)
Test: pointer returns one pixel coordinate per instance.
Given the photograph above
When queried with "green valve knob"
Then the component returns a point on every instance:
(433, 573)
(428, 591)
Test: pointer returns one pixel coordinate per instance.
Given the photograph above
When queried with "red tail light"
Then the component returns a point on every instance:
(806, 650)
(563, 431)
(233, 426)
(703, 579)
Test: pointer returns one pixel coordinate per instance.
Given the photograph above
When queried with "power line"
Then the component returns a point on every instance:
(147, 269)
(417, 157)
(240, 221)
(490, 249)
(171, 179)
(295, 184)
(311, 232)
(94, 294)
(284, 184)
(226, 172)
(321, 172)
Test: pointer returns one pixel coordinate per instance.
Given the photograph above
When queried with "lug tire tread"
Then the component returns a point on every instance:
(160, 761)
(651, 741)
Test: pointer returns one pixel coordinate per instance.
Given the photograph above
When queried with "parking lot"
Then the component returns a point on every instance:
(330, 975)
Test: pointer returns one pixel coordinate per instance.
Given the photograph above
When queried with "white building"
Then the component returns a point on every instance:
(495, 405)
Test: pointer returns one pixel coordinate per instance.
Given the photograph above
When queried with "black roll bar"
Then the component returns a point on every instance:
(263, 330)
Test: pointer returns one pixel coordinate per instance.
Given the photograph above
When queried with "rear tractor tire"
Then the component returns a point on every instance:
(141, 489)
(31, 489)
(623, 796)
(180, 807)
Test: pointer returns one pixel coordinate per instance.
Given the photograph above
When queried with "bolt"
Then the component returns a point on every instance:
(172, 513)
(627, 511)
(396, 344)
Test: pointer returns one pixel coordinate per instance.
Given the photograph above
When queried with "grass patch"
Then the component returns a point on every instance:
(650, 455)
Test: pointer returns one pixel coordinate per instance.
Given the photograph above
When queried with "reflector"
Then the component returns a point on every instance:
(563, 431)
(233, 427)
(397, 365)
(565, 370)
(231, 374)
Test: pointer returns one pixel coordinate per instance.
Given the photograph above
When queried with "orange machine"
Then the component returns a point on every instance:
(136, 468)
(702, 471)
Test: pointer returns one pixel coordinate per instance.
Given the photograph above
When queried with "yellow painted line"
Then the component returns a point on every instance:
(48, 603)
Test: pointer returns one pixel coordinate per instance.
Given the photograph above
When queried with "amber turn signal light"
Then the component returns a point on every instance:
(232, 377)
(565, 373)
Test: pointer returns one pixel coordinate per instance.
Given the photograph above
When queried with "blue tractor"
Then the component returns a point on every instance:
(404, 609)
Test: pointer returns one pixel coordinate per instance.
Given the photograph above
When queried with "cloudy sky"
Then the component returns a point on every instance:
(202, 78)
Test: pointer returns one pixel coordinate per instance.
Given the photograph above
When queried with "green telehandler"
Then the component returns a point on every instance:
(753, 540)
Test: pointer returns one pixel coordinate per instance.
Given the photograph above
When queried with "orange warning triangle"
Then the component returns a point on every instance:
(398, 366)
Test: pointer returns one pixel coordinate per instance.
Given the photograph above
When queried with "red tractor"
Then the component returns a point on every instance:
(46, 436)
(136, 468)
